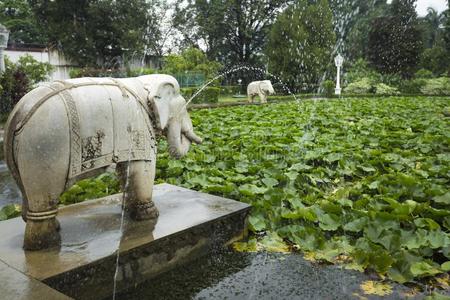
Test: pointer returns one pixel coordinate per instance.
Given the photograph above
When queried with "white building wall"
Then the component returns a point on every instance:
(61, 66)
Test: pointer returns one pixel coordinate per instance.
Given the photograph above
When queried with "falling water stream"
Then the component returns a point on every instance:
(122, 219)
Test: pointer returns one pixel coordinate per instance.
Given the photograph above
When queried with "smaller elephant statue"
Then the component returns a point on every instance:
(69, 130)
(259, 88)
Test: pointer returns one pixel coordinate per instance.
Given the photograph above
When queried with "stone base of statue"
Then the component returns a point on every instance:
(190, 224)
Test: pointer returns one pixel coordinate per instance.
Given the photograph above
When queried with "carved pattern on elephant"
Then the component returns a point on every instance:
(75, 136)
(92, 148)
(137, 140)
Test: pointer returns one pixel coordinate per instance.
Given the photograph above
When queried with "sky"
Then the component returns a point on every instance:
(422, 5)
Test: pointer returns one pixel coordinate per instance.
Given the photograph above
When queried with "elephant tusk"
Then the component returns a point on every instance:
(193, 137)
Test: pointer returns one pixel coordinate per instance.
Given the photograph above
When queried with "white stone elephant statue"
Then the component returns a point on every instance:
(68, 130)
(259, 88)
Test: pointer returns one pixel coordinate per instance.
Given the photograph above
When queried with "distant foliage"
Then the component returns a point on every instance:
(424, 73)
(395, 40)
(230, 89)
(361, 69)
(18, 79)
(207, 95)
(97, 72)
(437, 86)
(300, 44)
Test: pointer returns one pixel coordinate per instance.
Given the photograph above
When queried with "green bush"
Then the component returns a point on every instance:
(424, 73)
(412, 86)
(435, 59)
(230, 89)
(18, 79)
(35, 71)
(384, 89)
(328, 88)
(361, 69)
(437, 87)
(207, 95)
(14, 84)
(140, 72)
(10, 211)
(362, 86)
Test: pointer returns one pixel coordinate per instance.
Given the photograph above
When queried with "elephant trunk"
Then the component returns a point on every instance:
(179, 140)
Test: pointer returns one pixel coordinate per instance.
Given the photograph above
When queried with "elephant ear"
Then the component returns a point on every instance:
(162, 90)
(261, 85)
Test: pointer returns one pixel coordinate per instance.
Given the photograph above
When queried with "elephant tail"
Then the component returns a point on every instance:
(9, 147)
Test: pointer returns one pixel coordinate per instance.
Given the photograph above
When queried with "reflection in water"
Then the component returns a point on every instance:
(9, 192)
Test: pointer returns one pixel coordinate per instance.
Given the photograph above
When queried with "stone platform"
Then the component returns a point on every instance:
(191, 224)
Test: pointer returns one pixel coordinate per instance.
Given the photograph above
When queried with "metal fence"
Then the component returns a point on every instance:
(190, 79)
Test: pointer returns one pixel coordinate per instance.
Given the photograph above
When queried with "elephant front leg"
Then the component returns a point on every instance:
(263, 97)
(137, 184)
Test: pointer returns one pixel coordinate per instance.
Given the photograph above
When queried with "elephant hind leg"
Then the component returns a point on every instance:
(39, 211)
(42, 187)
(137, 183)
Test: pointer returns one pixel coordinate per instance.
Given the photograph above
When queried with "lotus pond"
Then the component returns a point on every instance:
(360, 182)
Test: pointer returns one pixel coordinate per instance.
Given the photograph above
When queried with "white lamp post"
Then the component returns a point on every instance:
(240, 87)
(338, 60)
(4, 35)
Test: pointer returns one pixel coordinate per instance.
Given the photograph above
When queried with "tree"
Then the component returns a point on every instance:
(432, 27)
(18, 17)
(447, 32)
(233, 31)
(351, 21)
(436, 60)
(395, 42)
(94, 33)
(301, 43)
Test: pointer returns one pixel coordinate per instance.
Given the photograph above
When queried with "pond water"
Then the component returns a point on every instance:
(9, 192)
(231, 275)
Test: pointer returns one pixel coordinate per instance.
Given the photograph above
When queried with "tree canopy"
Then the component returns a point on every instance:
(233, 31)
(18, 17)
(395, 42)
(93, 32)
(301, 43)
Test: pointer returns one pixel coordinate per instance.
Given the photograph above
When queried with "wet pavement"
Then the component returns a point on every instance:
(190, 224)
(246, 276)
(15, 285)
